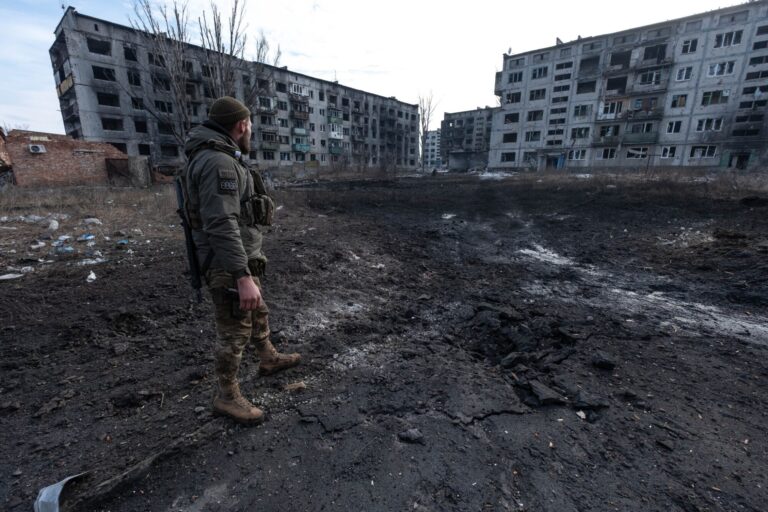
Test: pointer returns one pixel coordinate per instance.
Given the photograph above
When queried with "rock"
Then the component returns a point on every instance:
(754, 201)
(502, 312)
(296, 386)
(546, 395)
(522, 339)
(584, 400)
(411, 436)
(53, 225)
(200, 409)
(17, 472)
(666, 444)
(512, 359)
(92, 221)
(602, 361)
(120, 348)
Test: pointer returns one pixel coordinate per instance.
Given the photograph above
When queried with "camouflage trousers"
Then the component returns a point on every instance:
(235, 328)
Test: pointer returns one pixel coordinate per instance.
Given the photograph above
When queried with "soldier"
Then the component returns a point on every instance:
(226, 202)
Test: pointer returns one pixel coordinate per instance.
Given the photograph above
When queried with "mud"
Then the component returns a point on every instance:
(469, 345)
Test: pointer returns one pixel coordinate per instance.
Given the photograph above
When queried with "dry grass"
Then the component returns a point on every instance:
(151, 210)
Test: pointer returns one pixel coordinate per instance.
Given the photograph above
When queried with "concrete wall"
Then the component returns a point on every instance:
(65, 161)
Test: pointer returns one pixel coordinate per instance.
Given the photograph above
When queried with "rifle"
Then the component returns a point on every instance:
(195, 278)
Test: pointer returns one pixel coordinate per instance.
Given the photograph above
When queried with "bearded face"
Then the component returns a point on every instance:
(245, 140)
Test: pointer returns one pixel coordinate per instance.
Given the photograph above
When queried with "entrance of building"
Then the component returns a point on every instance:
(738, 160)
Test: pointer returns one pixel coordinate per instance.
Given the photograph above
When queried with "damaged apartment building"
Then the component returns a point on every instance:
(465, 138)
(687, 92)
(112, 89)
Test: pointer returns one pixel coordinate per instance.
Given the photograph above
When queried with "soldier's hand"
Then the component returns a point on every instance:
(250, 296)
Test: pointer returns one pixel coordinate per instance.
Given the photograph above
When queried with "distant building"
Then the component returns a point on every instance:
(465, 138)
(685, 92)
(112, 89)
(432, 159)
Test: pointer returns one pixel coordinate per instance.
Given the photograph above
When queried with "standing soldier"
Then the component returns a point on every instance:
(225, 204)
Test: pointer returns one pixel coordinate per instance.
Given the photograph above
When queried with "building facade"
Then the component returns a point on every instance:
(466, 137)
(431, 156)
(112, 89)
(686, 92)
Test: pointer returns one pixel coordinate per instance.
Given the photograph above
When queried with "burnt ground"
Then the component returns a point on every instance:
(469, 345)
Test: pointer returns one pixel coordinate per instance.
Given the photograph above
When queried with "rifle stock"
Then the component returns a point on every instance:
(195, 278)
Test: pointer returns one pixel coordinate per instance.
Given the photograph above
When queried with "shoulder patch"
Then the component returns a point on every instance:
(228, 181)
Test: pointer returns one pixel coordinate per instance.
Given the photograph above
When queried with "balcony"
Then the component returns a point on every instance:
(298, 114)
(271, 145)
(301, 148)
(299, 98)
(335, 150)
(640, 138)
(640, 115)
(334, 120)
(608, 140)
(299, 131)
(358, 138)
(335, 135)
(66, 84)
(497, 90)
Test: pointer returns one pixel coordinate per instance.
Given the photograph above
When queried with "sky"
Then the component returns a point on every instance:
(402, 48)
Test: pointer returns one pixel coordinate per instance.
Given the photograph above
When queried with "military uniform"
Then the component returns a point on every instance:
(225, 208)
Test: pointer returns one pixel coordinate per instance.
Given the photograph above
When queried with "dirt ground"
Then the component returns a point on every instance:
(469, 344)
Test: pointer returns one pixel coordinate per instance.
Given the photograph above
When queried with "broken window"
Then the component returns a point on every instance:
(617, 84)
(639, 152)
(541, 72)
(535, 115)
(657, 52)
(508, 156)
(112, 124)
(164, 128)
(134, 78)
(641, 128)
(140, 126)
(715, 97)
(532, 136)
(703, 151)
(710, 124)
(512, 118)
(756, 61)
(727, 39)
(100, 73)
(164, 106)
(565, 52)
(515, 77)
(129, 53)
(557, 121)
(756, 75)
(560, 99)
(589, 65)
(650, 78)
(137, 103)
(577, 154)
(586, 87)
(607, 154)
(746, 132)
(674, 126)
(161, 83)
(684, 74)
(99, 46)
(612, 130)
(564, 76)
(556, 131)
(621, 59)
(760, 45)
(156, 60)
(144, 150)
(690, 46)
(721, 68)
(613, 107)
(679, 100)
(580, 133)
(541, 57)
(538, 94)
(564, 65)
(561, 88)
(509, 137)
(108, 99)
(668, 151)
(582, 110)
(169, 150)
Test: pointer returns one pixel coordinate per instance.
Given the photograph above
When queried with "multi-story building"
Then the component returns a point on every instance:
(113, 89)
(431, 154)
(465, 138)
(686, 92)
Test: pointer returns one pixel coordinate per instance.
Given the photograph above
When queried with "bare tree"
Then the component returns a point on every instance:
(165, 32)
(427, 106)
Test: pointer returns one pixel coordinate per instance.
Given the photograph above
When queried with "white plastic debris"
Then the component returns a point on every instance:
(581, 414)
(10, 277)
(92, 221)
(53, 225)
(48, 497)
(37, 245)
(91, 277)
(91, 261)
(448, 216)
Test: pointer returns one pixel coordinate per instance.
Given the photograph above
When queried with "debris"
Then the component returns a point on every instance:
(53, 225)
(85, 237)
(581, 415)
(412, 436)
(92, 221)
(545, 395)
(91, 277)
(37, 245)
(10, 277)
(65, 249)
(602, 361)
(120, 348)
(200, 409)
(48, 497)
(666, 444)
(448, 216)
(122, 242)
(584, 400)
(295, 386)
(91, 261)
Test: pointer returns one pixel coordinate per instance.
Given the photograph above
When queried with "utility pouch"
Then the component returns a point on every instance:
(262, 209)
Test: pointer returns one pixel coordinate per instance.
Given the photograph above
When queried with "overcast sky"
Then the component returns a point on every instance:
(402, 48)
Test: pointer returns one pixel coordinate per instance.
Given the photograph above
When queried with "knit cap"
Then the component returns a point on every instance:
(227, 111)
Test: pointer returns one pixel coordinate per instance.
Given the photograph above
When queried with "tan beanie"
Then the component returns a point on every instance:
(227, 111)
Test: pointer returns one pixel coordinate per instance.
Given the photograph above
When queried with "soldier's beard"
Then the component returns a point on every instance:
(245, 143)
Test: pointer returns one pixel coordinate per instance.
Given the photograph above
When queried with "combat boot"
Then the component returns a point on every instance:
(230, 402)
(272, 361)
